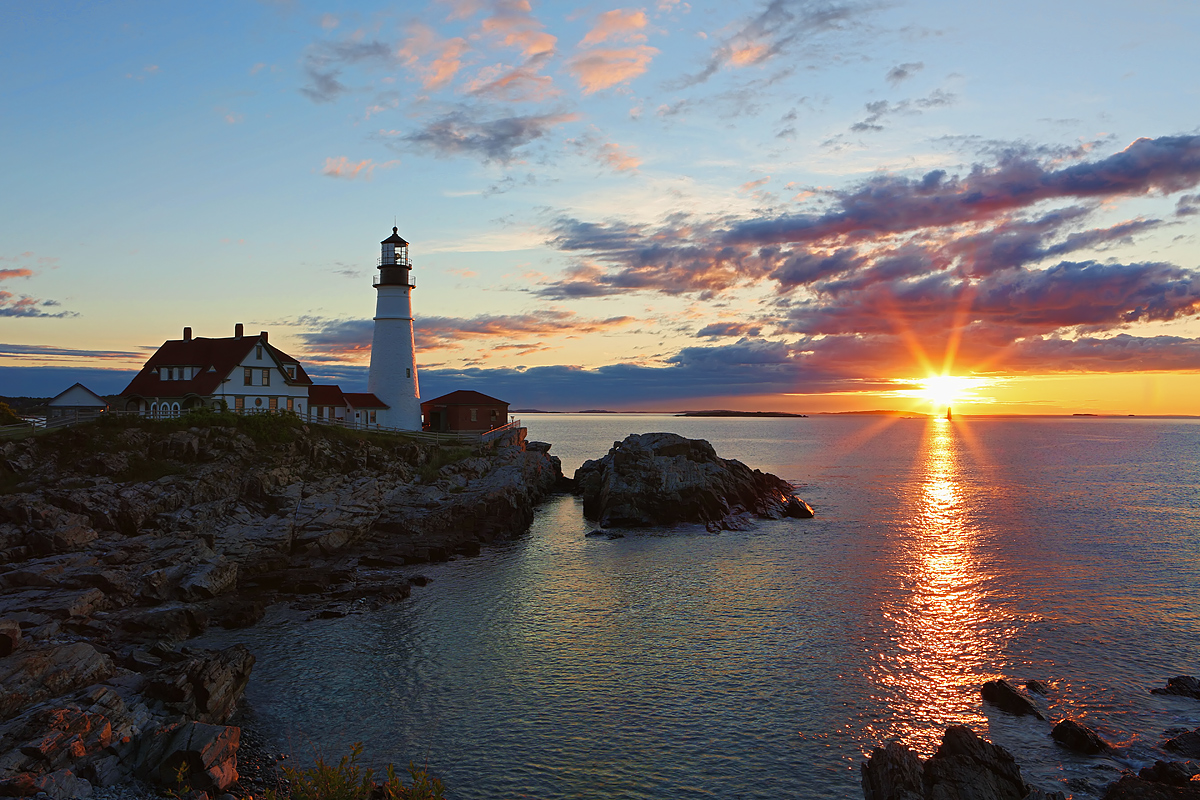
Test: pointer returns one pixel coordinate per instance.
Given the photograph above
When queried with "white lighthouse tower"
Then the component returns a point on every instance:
(393, 377)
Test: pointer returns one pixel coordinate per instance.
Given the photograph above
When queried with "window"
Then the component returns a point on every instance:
(239, 403)
(474, 412)
(258, 353)
(248, 377)
(408, 372)
(320, 412)
(258, 402)
(372, 416)
(165, 374)
(274, 404)
(291, 403)
(266, 377)
(291, 371)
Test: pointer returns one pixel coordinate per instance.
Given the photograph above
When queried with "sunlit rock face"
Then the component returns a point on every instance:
(655, 479)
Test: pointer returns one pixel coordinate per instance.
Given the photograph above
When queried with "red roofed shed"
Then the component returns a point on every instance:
(463, 411)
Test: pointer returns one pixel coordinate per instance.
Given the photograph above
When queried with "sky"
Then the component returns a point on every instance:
(794, 205)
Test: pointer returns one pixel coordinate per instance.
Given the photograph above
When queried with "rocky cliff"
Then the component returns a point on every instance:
(663, 478)
(121, 539)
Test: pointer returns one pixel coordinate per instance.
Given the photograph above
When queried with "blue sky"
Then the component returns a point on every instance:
(761, 205)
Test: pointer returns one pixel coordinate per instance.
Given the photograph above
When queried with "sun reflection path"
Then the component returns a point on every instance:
(945, 637)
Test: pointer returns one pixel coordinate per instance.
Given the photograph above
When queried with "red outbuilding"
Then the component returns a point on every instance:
(463, 411)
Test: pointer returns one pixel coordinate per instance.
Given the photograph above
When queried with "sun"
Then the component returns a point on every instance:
(945, 390)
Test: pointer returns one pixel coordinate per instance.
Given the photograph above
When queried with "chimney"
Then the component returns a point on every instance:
(263, 335)
(187, 334)
(238, 331)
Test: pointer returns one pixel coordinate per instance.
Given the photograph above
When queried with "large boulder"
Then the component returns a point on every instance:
(205, 686)
(1184, 685)
(662, 478)
(27, 677)
(1078, 738)
(1003, 696)
(964, 767)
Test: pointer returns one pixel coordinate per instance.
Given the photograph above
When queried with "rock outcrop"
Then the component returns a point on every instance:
(1005, 697)
(1184, 685)
(121, 539)
(662, 478)
(1078, 738)
(965, 767)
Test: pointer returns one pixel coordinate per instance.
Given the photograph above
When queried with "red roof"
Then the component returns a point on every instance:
(359, 400)
(326, 396)
(465, 397)
(216, 358)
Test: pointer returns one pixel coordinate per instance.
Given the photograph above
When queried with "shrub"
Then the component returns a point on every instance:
(7, 415)
(348, 781)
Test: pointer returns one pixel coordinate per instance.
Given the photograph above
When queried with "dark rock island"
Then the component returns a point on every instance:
(653, 479)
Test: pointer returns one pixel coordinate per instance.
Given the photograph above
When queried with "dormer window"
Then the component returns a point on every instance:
(291, 371)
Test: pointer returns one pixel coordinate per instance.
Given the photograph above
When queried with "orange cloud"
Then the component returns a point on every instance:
(749, 186)
(436, 61)
(516, 84)
(515, 25)
(616, 24)
(5, 274)
(601, 69)
(612, 155)
(341, 167)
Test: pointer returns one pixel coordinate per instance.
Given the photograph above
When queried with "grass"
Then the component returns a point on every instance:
(349, 781)
(440, 458)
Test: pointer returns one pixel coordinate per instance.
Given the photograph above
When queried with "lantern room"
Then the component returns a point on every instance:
(394, 265)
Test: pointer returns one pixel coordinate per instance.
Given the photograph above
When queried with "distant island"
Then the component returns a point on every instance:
(532, 411)
(723, 413)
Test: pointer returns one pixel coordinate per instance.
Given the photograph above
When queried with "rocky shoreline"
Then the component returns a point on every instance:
(122, 539)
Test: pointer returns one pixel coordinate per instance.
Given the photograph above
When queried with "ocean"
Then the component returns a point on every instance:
(765, 663)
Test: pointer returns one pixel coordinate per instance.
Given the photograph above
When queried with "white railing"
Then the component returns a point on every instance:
(410, 283)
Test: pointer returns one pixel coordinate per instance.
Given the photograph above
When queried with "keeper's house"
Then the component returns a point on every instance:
(240, 373)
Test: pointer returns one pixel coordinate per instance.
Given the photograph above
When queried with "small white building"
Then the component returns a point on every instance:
(240, 373)
(74, 402)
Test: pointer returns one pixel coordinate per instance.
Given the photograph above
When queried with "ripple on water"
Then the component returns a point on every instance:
(765, 663)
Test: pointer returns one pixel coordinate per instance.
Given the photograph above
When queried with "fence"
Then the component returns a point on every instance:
(436, 437)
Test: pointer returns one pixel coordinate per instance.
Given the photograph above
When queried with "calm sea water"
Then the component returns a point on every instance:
(765, 663)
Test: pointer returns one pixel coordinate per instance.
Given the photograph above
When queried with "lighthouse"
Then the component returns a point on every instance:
(393, 377)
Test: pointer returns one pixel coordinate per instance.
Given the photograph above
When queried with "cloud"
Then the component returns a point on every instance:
(324, 61)
(498, 140)
(512, 84)
(618, 159)
(45, 352)
(606, 67)
(513, 23)
(6, 274)
(435, 60)
(879, 109)
(350, 339)
(1188, 205)
(341, 167)
(902, 72)
(25, 306)
(727, 329)
(329, 22)
(780, 27)
(622, 24)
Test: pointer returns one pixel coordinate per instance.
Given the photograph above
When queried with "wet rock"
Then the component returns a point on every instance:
(209, 579)
(1131, 787)
(661, 479)
(1078, 738)
(1037, 687)
(1175, 773)
(1003, 696)
(892, 773)
(594, 532)
(966, 766)
(236, 612)
(1185, 744)
(1184, 685)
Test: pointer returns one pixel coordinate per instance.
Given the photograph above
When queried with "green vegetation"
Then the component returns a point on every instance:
(7, 415)
(348, 781)
(440, 458)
